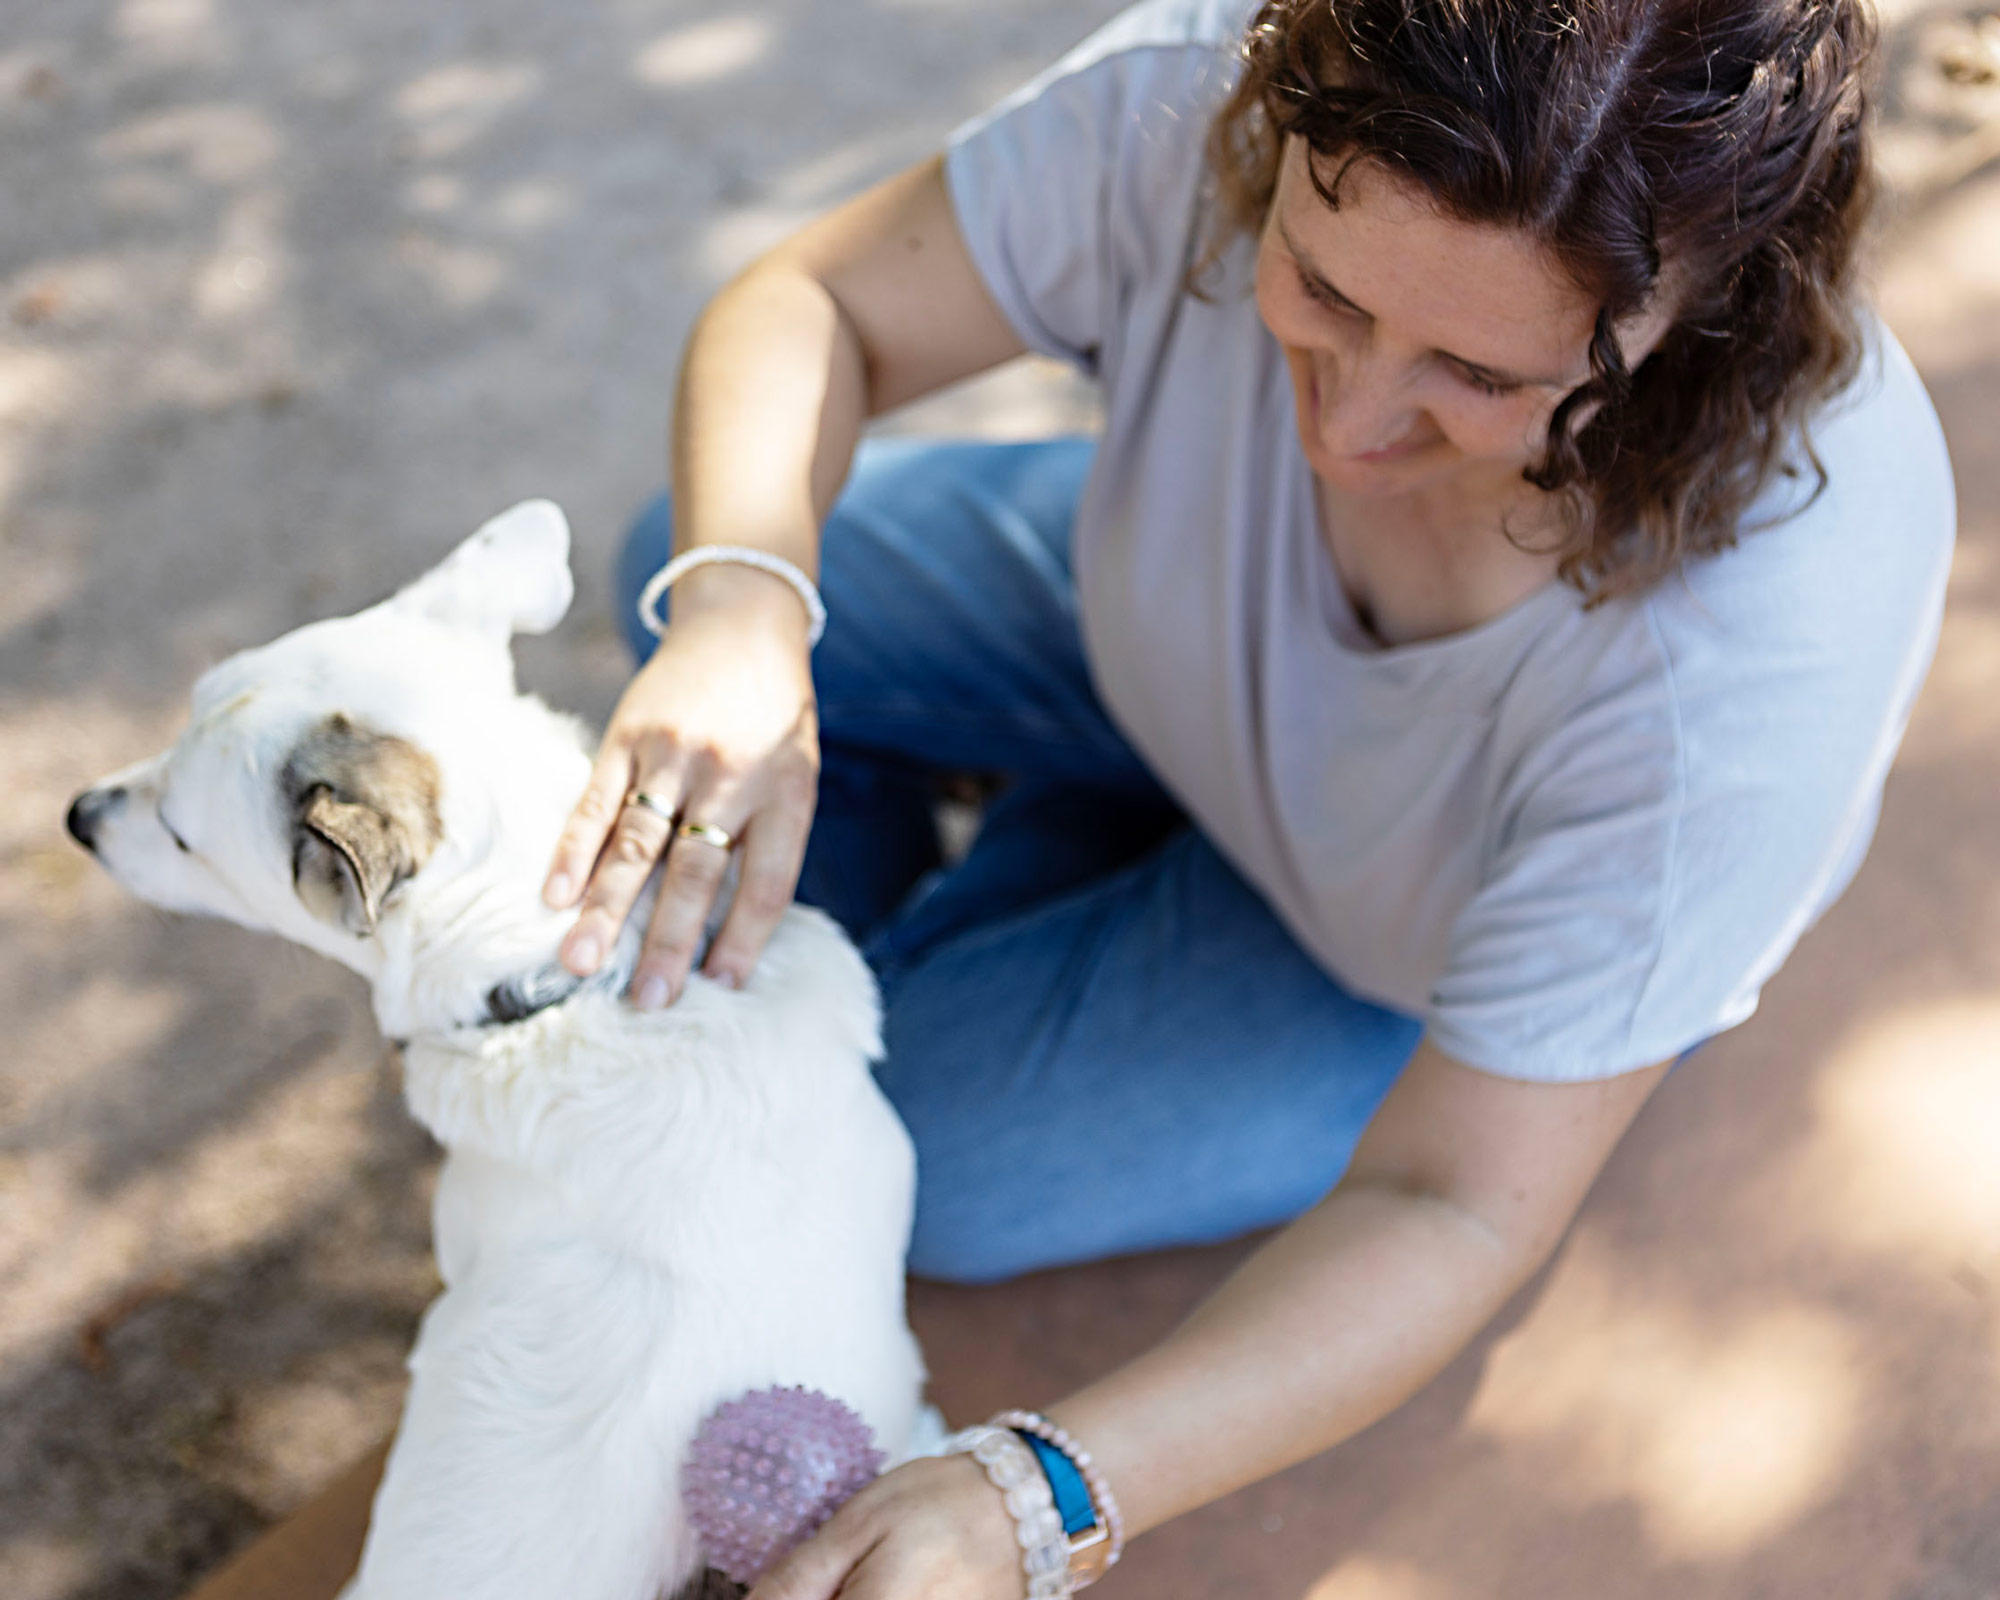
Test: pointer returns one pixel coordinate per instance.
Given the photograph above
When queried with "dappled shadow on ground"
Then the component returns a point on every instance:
(292, 297)
(205, 1400)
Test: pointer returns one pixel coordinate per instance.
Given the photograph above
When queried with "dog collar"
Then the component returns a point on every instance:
(540, 988)
(519, 998)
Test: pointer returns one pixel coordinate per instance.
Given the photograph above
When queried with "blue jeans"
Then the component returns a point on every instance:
(1101, 1038)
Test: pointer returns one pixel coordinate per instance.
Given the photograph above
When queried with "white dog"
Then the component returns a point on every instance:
(640, 1215)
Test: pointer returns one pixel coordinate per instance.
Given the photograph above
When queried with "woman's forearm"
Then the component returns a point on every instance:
(772, 397)
(1331, 1325)
(1458, 1191)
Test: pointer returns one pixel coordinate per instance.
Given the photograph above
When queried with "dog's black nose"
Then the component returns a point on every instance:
(87, 811)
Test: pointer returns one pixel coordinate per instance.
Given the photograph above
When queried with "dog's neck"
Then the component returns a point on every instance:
(518, 998)
(542, 987)
(430, 976)
(548, 983)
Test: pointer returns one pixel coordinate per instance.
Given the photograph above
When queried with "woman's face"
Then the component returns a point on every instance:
(1422, 350)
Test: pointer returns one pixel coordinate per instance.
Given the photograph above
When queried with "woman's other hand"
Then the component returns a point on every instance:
(719, 728)
(934, 1529)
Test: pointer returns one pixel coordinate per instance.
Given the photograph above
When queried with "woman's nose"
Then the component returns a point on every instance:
(1363, 403)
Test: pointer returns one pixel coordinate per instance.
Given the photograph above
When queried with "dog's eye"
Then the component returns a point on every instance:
(186, 849)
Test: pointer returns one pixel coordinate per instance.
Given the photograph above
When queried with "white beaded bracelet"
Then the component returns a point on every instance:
(1013, 1470)
(740, 555)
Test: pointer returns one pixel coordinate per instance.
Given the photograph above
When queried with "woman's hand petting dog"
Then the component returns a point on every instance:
(719, 728)
(934, 1529)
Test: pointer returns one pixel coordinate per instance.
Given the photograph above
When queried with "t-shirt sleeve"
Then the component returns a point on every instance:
(1079, 185)
(1662, 852)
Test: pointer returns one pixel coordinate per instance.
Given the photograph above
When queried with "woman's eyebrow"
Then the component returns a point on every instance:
(1324, 285)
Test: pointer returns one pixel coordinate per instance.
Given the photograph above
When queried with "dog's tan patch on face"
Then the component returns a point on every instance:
(364, 809)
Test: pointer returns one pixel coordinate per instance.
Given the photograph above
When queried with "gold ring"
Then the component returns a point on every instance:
(652, 803)
(707, 833)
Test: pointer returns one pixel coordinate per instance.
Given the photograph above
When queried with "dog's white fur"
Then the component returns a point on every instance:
(640, 1215)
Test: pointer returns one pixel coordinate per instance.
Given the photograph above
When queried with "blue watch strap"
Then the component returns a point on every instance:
(1073, 1503)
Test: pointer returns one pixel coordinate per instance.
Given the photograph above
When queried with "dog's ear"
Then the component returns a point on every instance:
(364, 816)
(512, 576)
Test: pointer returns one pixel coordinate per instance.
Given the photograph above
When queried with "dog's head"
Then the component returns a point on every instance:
(375, 787)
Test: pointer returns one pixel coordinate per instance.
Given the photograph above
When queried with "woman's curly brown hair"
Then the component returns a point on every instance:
(1720, 139)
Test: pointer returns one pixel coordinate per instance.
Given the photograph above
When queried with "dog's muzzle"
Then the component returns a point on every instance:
(87, 813)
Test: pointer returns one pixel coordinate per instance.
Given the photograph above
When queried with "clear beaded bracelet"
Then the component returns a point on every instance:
(1094, 1554)
(1013, 1470)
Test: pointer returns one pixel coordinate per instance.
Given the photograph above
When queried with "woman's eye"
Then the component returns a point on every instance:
(1320, 295)
(1486, 386)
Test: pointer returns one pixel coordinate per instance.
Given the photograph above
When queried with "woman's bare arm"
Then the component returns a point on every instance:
(1459, 1191)
(872, 306)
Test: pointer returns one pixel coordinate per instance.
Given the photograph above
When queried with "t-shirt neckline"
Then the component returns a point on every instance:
(1343, 625)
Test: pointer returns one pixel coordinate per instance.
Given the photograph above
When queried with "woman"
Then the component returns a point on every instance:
(1466, 663)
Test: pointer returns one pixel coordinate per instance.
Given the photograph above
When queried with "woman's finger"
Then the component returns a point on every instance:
(695, 869)
(872, 1581)
(638, 838)
(819, 1568)
(774, 848)
(589, 825)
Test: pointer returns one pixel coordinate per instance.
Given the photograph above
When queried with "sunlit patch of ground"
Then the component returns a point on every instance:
(1721, 1425)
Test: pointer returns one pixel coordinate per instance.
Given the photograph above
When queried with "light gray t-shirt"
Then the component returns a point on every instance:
(1574, 842)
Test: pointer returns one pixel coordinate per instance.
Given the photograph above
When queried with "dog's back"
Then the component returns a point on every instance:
(641, 1215)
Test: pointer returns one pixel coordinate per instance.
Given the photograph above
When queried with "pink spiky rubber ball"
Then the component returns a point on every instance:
(766, 1471)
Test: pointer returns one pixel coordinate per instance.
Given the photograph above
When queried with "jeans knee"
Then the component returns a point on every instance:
(966, 1251)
